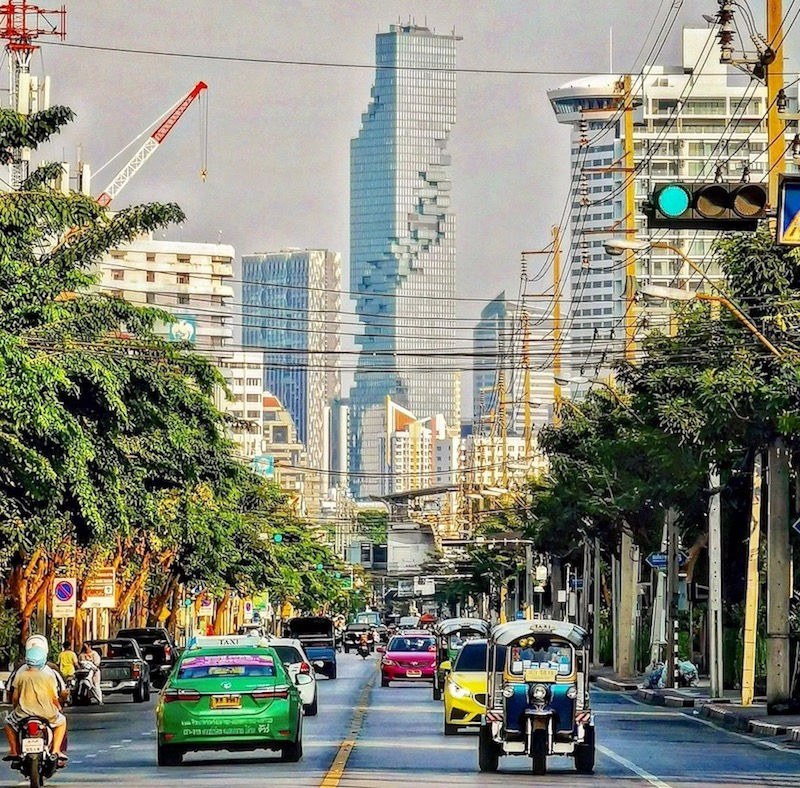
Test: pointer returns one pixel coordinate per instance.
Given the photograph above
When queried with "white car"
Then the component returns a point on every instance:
(297, 663)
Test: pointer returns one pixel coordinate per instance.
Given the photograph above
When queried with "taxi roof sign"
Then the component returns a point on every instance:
(217, 641)
(788, 225)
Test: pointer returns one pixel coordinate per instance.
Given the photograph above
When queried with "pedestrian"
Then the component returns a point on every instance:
(67, 661)
(89, 655)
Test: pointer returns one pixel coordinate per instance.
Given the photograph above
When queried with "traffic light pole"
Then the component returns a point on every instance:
(779, 578)
(751, 598)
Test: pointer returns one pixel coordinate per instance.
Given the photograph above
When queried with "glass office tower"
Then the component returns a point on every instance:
(402, 240)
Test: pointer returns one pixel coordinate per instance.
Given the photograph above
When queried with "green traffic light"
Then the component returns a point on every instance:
(320, 567)
(278, 538)
(673, 200)
(338, 575)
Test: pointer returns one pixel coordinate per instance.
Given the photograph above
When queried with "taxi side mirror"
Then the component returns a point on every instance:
(446, 665)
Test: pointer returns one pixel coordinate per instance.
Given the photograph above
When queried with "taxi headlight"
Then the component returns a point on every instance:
(572, 693)
(539, 692)
(508, 691)
(387, 661)
(457, 691)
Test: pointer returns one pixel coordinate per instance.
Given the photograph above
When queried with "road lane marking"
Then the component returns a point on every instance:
(747, 737)
(631, 766)
(334, 775)
(629, 713)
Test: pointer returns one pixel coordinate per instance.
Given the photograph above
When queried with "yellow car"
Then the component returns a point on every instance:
(465, 688)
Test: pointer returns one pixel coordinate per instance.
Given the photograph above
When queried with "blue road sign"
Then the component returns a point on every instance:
(519, 615)
(65, 590)
(576, 583)
(789, 210)
(659, 560)
(264, 465)
(796, 525)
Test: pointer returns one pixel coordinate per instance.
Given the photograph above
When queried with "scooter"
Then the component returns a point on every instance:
(37, 762)
(84, 689)
(363, 649)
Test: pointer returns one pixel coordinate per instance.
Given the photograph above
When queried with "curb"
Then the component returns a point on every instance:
(612, 685)
(729, 719)
(659, 698)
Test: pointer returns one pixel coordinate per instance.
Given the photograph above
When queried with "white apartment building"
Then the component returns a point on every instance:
(190, 280)
(244, 374)
(693, 121)
(491, 461)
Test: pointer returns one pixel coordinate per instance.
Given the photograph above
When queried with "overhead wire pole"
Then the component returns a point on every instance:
(629, 558)
(779, 578)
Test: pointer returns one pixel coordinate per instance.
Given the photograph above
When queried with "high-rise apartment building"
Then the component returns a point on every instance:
(498, 341)
(190, 280)
(402, 238)
(693, 123)
(292, 312)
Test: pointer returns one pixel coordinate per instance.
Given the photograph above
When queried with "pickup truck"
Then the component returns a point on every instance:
(317, 635)
(160, 651)
(123, 668)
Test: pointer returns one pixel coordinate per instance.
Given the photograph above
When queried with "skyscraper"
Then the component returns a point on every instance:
(291, 311)
(402, 238)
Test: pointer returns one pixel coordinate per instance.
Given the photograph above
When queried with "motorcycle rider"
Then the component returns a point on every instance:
(89, 656)
(67, 662)
(35, 693)
(363, 644)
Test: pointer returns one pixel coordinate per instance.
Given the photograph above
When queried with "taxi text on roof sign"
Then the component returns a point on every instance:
(788, 225)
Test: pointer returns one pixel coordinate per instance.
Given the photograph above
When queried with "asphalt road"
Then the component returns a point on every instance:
(396, 740)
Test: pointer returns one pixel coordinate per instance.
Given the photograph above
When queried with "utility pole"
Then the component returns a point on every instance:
(671, 602)
(778, 551)
(626, 618)
(556, 322)
(715, 582)
(526, 384)
(751, 598)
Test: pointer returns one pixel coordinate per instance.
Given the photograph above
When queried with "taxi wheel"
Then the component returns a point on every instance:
(169, 755)
(488, 755)
(292, 753)
(437, 692)
(450, 730)
(384, 681)
(312, 708)
(139, 694)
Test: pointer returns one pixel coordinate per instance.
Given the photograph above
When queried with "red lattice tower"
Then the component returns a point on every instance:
(20, 25)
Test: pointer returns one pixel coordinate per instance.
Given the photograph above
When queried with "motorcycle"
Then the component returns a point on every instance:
(363, 649)
(37, 762)
(84, 689)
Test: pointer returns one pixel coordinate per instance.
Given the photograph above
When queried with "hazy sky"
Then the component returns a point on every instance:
(279, 135)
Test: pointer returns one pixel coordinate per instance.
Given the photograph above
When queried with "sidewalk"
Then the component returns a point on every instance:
(753, 719)
(606, 679)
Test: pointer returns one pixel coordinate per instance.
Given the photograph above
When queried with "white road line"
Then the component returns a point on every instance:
(651, 778)
(752, 739)
(114, 746)
(629, 713)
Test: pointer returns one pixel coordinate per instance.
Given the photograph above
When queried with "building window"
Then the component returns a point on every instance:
(150, 298)
(151, 276)
(280, 434)
(253, 397)
(151, 258)
(184, 258)
(252, 414)
(183, 279)
(253, 381)
(117, 274)
(117, 255)
(183, 299)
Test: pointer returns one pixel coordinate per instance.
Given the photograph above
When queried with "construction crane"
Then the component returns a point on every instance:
(149, 148)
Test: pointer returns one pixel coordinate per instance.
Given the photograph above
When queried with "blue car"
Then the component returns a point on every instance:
(318, 636)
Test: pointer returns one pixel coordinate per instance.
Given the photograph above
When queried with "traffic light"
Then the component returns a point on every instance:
(707, 206)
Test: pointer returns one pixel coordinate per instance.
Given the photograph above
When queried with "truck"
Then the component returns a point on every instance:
(159, 649)
(318, 637)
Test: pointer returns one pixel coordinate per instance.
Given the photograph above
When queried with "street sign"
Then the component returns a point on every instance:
(264, 465)
(183, 329)
(796, 525)
(519, 615)
(788, 225)
(659, 560)
(248, 610)
(65, 597)
(206, 608)
(101, 588)
(576, 583)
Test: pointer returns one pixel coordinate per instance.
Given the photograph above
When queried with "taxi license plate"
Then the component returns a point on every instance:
(413, 674)
(32, 746)
(226, 701)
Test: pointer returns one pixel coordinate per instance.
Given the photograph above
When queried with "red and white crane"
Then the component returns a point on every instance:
(149, 147)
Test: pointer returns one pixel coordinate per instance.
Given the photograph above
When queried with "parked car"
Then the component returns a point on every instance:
(123, 668)
(298, 664)
(409, 656)
(159, 649)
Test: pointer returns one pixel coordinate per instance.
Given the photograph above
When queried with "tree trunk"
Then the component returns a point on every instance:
(219, 615)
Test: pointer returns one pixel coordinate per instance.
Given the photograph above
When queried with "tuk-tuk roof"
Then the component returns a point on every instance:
(450, 625)
(505, 634)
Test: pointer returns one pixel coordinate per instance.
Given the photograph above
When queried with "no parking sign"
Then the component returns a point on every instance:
(64, 597)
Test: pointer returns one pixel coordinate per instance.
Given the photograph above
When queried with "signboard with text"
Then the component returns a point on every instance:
(101, 588)
(65, 597)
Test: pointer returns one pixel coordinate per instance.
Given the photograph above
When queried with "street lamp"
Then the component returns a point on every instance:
(617, 247)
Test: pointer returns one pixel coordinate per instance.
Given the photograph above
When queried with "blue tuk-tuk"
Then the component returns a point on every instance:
(538, 695)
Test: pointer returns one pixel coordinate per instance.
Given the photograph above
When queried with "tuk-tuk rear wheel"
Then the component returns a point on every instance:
(437, 692)
(539, 752)
(584, 753)
(488, 754)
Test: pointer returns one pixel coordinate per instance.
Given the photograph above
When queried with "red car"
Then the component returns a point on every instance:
(409, 656)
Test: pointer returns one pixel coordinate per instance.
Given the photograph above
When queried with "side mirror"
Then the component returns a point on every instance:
(302, 678)
(446, 666)
(318, 664)
(380, 650)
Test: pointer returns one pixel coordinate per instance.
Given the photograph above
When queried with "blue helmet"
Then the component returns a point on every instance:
(36, 656)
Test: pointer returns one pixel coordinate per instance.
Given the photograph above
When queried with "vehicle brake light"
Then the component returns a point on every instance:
(33, 728)
(305, 667)
(167, 652)
(136, 670)
(279, 691)
(187, 695)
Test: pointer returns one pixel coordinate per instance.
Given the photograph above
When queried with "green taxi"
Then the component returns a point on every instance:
(232, 697)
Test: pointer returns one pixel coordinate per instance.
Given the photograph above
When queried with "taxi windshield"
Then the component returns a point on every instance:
(410, 644)
(472, 659)
(542, 653)
(236, 665)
